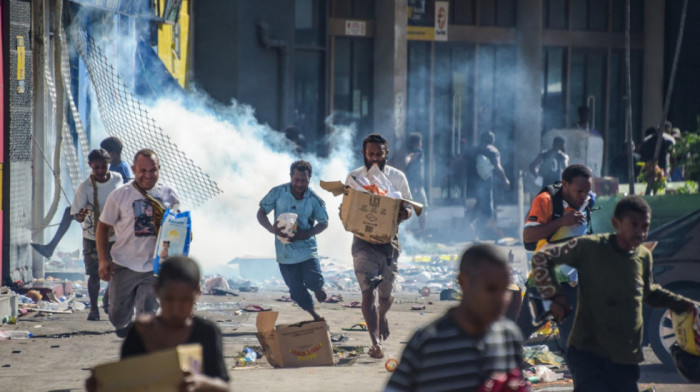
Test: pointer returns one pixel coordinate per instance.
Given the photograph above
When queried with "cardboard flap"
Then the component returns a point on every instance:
(417, 207)
(335, 187)
(266, 321)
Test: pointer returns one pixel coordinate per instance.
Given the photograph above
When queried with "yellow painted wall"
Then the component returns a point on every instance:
(172, 52)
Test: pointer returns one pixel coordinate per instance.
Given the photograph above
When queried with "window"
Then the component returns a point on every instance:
(588, 80)
(352, 82)
(556, 14)
(589, 15)
(346, 9)
(462, 12)
(309, 22)
(636, 16)
(554, 88)
(497, 13)
(309, 93)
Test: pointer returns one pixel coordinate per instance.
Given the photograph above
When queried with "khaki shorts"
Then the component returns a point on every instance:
(370, 263)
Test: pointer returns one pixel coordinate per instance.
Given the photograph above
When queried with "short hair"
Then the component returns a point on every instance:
(650, 131)
(477, 255)
(413, 140)
(99, 154)
(375, 138)
(179, 269)
(148, 153)
(583, 110)
(487, 138)
(576, 170)
(302, 166)
(558, 141)
(112, 144)
(631, 203)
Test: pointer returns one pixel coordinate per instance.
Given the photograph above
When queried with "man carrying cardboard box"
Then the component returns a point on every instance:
(297, 253)
(376, 264)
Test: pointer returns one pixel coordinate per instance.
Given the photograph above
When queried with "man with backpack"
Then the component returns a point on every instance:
(559, 212)
(550, 164)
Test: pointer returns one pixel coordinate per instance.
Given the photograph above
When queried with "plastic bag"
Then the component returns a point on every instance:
(287, 222)
(546, 374)
(173, 238)
(686, 326)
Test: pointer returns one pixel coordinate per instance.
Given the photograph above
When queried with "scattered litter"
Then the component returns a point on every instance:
(546, 374)
(425, 291)
(357, 327)
(391, 364)
(418, 307)
(284, 298)
(354, 304)
(255, 308)
(334, 298)
(541, 355)
(338, 338)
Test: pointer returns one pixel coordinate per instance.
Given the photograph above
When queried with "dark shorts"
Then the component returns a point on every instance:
(92, 264)
(596, 373)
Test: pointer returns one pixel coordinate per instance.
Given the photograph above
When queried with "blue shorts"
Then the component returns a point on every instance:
(300, 278)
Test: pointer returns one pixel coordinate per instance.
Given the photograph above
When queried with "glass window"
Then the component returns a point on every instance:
(462, 12)
(556, 14)
(309, 22)
(588, 80)
(487, 13)
(363, 9)
(636, 16)
(554, 89)
(352, 93)
(579, 14)
(309, 90)
(505, 13)
(341, 8)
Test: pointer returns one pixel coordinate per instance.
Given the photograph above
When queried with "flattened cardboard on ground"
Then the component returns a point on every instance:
(369, 216)
(294, 345)
(156, 372)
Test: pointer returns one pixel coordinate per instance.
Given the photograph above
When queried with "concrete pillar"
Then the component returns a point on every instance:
(528, 99)
(390, 63)
(653, 70)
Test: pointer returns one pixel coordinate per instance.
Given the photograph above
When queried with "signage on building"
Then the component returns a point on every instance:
(428, 20)
(441, 17)
(355, 28)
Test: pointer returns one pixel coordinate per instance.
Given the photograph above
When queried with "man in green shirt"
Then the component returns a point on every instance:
(615, 278)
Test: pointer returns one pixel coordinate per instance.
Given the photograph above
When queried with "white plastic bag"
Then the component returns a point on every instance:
(287, 222)
(546, 374)
(173, 238)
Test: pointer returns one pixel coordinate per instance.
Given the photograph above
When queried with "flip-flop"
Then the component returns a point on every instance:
(357, 327)
(418, 307)
(284, 298)
(255, 308)
(334, 298)
(353, 305)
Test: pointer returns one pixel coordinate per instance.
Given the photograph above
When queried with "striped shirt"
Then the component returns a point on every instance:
(442, 357)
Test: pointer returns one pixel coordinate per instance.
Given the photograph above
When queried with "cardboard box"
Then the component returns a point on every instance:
(370, 217)
(155, 372)
(294, 345)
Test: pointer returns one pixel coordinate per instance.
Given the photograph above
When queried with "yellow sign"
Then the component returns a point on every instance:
(419, 33)
(20, 64)
(173, 43)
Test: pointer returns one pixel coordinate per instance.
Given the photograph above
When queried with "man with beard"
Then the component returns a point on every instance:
(298, 254)
(129, 271)
(375, 264)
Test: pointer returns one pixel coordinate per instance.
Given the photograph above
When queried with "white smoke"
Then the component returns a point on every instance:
(247, 159)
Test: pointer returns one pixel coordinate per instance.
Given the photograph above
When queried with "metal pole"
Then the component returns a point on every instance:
(629, 141)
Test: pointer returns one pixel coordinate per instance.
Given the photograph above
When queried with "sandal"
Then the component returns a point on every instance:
(357, 327)
(418, 307)
(255, 308)
(334, 298)
(353, 305)
(284, 298)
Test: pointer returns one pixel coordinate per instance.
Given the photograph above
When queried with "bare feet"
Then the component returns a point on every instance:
(384, 329)
(320, 295)
(376, 352)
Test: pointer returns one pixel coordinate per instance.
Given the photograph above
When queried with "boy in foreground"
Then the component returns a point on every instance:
(471, 344)
(615, 278)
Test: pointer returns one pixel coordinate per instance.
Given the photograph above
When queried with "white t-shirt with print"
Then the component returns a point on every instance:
(84, 198)
(395, 176)
(131, 215)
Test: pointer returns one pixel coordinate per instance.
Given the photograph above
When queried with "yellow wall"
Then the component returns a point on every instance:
(175, 60)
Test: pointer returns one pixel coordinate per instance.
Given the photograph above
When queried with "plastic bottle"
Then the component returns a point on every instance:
(250, 355)
(8, 335)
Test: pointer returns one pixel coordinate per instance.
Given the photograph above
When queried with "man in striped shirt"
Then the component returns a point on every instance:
(471, 345)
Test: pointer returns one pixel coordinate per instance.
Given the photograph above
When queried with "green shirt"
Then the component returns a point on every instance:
(612, 286)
